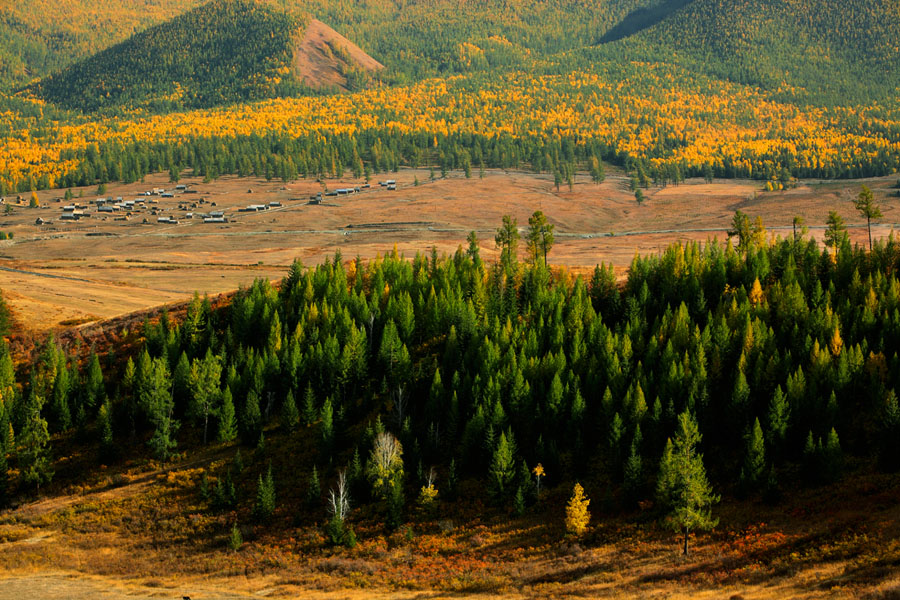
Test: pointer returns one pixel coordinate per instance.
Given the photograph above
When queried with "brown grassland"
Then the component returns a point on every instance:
(141, 530)
(71, 273)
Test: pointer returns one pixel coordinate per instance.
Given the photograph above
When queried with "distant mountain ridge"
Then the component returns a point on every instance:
(222, 52)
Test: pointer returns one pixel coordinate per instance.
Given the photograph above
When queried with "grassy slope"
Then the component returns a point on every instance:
(145, 524)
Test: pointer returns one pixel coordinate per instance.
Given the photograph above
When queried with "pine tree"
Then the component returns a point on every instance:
(519, 502)
(577, 514)
(265, 497)
(34, 444)
(779, 415)
(235, 539)
(203, 380)
(105, 429)
(833, 458)
(633, 476)
(753, 471)
(310, 413)
(313, 489)
(227, 423)
(251, 420)
(687, 491)
(326, 425)
(867, 207)
(290, 416)
(502, 469)
(160, 406)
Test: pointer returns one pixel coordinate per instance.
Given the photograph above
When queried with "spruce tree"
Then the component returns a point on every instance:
(251, 420)
(313, 489)
(158, 399)
(633, 476)
(502, 470)
(326, 425)
(779, 415)
(105, 431)
(290, 416)
(264, 508)
(34, 444)
(687, 491)
(310, 413)
(753, 470)
(227, 424)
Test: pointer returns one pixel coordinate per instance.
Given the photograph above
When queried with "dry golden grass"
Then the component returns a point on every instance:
(142, 529)
(142, 266)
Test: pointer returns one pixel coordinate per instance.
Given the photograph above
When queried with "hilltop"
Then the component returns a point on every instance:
(222, 52)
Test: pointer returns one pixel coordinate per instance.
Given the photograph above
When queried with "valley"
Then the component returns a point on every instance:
(427, 299)
(103, 268)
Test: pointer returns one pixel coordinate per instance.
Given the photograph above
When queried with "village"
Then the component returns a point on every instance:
(180, 205)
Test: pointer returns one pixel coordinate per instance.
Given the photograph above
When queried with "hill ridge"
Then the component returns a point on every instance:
(222, 52)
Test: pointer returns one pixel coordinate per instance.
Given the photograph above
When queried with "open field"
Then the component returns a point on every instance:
(75, 272)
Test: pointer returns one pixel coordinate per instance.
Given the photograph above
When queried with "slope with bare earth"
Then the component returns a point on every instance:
(326, 59)
(223, 52)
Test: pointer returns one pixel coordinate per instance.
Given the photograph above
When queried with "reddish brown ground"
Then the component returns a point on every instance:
(143, 265)
(316, 64)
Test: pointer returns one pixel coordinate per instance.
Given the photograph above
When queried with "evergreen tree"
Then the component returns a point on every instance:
(313, 489)
(251, 420)
(264, 508)
(868, 208)
(687, 491)
(836, 232)
(502, 469)
(310, 413)
(105, 429)
(204, 379)
(290, 416)
(34, 444)
(160, 406)
(227, 424)
(326, 425)
(779, 415)
(633, 477)
(540, 237)
(753, 471)
(507, 239)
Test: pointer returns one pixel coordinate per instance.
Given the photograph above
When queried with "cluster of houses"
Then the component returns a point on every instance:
(260, 207)
(122, 210)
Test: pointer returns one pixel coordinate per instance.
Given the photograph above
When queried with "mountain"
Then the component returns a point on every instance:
(39, 37)
(222, 52)
(836, 51)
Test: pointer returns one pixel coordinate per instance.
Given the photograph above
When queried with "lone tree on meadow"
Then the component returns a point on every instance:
(540, 236)
(683, 488)
(867, 207)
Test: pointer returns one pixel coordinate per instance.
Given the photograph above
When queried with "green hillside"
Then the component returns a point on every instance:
(39, 37)
(223, 52)
(837, 51)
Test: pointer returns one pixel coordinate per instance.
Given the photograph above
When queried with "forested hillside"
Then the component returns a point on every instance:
(223, 52)
(838, 52)
(38, 37)
(783, 355)
(755, 89)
